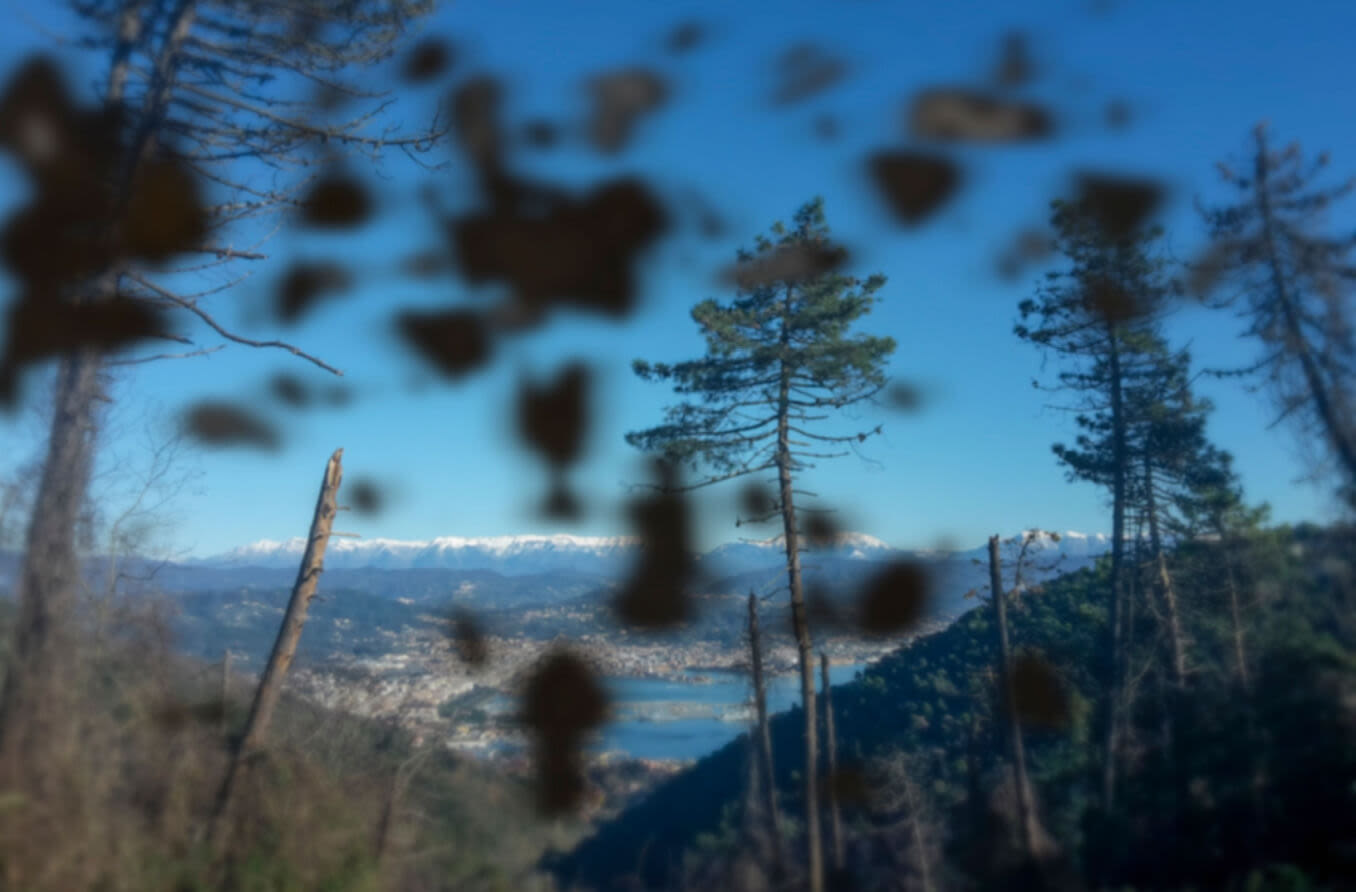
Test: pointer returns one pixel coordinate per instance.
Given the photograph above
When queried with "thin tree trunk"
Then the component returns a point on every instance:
(923, 853)
(225, 689)
(285, 646)
(1236, 620)
(763, 747)
(1026, 819)
(799, 620)
(831, 748)
(1163, 582)
(1111, 745)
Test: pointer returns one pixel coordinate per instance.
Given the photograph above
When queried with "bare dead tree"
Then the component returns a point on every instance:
(285, 646)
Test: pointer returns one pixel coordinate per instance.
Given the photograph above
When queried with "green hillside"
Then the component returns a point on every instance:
(1252, 780)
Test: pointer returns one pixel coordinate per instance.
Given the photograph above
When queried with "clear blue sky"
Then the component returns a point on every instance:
(1196, 76)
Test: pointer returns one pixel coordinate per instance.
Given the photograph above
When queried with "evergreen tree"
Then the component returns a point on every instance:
(1094, 316)
(780, 356)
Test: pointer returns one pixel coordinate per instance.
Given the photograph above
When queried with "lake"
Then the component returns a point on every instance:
(687, 719)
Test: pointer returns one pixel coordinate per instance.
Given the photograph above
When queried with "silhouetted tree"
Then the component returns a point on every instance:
(1292, 286)
(1092, 315)
(780, 356)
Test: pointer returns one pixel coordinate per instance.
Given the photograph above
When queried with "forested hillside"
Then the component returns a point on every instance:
(1255, 776)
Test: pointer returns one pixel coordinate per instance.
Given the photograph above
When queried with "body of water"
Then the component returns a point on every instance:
(687, 719)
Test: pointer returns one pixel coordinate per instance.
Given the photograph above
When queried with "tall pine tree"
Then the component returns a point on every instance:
(1093, 316)
(781, 357)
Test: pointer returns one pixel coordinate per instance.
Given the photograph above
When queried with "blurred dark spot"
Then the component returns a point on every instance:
(957, 115)
(894, 599)
(826, 127)
(820, 530)
(561, 502)
(54, 241)
(223, 424)
(1119, 205)
(561, 702)
(289, 390)
(1117, 114)
(1038, 694)
(787, 263)
(1015, 67)
(305, 283)
(1030, 245)
(336, 201)
(164, 215)
(1203, 275)
(904, 396)
(338, 395)
(426, 60)
(475, 118)
(468, 638)
(365, 496)
(1112, 302)
(620, 99)
(685, 36)
(553, 420)
(454, 342)
(914, 186)
(655, 595)
(755, 501)
(804, 70)
(578, 253)
(37, 118)
(426, 264)
(541, 134)
(41, 327)
(850, 786)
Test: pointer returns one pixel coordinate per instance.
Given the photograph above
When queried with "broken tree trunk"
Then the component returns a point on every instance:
(831, 748)
(285, 647)
(1025, 818)
(763, 749)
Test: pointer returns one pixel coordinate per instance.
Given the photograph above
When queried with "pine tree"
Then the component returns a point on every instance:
(780, 356)
(1093, 315)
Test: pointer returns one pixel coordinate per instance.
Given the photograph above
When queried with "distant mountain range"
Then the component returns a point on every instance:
(373, 591)
(597, 556)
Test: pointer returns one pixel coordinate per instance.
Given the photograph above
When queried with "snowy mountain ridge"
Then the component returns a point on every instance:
(601, 555)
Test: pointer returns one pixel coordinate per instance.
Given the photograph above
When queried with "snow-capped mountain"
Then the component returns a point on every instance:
(509, 555)
(595, 555)
(740, 557)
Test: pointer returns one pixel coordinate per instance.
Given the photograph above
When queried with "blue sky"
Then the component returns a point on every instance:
(975, 460)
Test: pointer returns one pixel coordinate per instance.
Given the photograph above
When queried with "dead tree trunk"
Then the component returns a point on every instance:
(831, 749)
(1026, 819)
(763, 747)
(285, 647)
